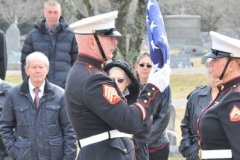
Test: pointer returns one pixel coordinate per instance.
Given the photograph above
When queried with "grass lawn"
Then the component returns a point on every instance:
(184, 83)
(14, 79)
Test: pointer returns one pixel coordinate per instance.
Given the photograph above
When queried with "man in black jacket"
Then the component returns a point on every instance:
(4, 87)
(34, 123)
(56, 40)
(3, 56)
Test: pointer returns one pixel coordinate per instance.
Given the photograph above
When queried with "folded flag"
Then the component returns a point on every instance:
(159, 49)
(158, 42)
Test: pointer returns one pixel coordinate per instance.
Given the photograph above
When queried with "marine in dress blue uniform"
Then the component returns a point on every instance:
(102, 120)
(219, 123)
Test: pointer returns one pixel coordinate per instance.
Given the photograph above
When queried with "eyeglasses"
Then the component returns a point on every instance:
(147, 65)
(119, 80)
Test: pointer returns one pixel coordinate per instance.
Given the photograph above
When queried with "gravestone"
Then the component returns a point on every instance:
(171, 123)
(13, 38)
(180, 61)
(173, 142)
(183, 29)
(14, 60)
(13, 47)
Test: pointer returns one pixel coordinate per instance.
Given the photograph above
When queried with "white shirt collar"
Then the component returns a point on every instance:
(31, 87)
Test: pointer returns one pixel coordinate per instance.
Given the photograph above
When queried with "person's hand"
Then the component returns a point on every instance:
(161, 77)
(3, 153)
(191, 152)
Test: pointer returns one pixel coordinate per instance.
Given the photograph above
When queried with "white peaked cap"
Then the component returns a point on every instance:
(225, 44)
(98, 22)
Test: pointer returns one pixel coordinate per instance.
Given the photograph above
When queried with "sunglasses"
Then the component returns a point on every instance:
(120, 80)
(147, 65)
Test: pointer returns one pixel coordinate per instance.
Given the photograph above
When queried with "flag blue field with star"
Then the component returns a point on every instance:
(157, 36)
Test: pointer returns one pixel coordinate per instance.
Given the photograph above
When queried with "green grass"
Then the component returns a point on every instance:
(184, 83)
(181, 83)
(14, 79)
(197, 63)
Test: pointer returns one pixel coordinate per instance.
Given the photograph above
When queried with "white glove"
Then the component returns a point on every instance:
(160, 78)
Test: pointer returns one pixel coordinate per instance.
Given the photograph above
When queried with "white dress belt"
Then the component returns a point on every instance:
(103, 136)
(215, 154)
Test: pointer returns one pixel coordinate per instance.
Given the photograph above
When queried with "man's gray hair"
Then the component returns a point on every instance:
(39, 56)
(51, 3)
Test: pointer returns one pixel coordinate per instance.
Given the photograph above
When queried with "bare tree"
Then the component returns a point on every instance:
(127, 49)
(138, 31)
(170, 7)
(210, 12)
(20, 11)
(231, 18)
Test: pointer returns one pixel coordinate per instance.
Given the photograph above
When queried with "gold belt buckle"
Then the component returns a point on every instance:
(200, 154)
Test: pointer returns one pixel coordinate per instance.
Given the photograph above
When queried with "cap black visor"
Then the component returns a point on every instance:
(216, 54)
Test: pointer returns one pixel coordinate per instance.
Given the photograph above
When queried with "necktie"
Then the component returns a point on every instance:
(36, 99)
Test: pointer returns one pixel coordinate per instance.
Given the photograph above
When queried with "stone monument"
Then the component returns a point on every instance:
(13, 38)
(183, 29)
(13, 47)
(171, 123)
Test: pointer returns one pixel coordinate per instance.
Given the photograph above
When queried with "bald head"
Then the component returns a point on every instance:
(87, 45)
(82, 39)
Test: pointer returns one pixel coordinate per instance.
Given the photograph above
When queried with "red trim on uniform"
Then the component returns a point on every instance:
(89, 71)
(86, 55)
(199, 119)
(110, 94)
(234, 114)
(80, 62)
(150, 99)
(157, 89)
(238, 87)
(142, 109)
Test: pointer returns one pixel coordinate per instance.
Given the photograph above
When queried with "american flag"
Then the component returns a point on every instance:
(157, 36)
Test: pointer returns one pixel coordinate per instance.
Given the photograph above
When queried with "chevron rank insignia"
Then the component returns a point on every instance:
(110, 94)
(234, 115)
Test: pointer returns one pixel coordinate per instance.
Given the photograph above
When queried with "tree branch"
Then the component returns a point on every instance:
(72, 8)
(138, 31)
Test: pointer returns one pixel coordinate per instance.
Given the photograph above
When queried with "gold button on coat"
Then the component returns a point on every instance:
(153, 88)
(149, 94)
(145, 101)
(102, 65)
(125, 150)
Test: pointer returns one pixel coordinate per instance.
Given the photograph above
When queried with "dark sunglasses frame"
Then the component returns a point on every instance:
(120, 80)
(147, 65)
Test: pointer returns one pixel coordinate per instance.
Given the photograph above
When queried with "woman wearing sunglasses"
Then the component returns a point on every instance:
(142, 68)
(158, 142)
(120, 72)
